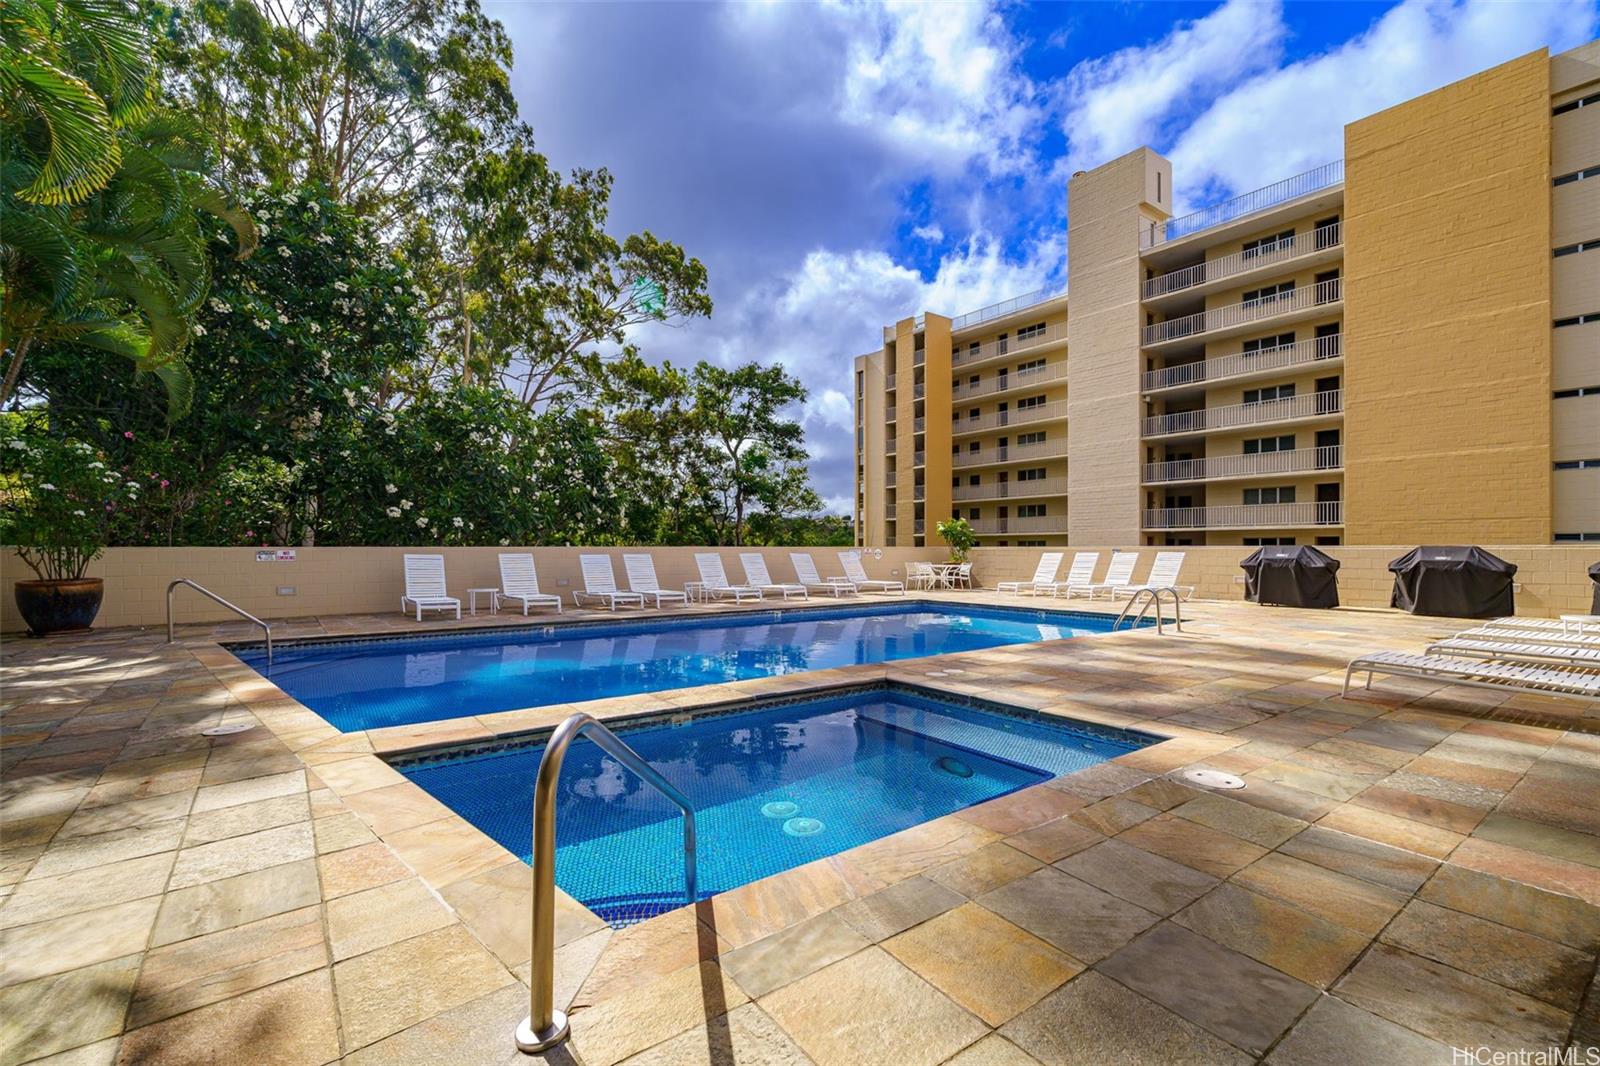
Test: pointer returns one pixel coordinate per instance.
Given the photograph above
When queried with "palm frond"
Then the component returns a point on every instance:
(82, 152)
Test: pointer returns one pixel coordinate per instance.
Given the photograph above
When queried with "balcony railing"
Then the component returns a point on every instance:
(1310, 350)
(919, 424)
(888, 383)
(919, 357)
(1246, 312)
(1284, 251)
(890, 445)
(919, 525)
(918, 458)
(1301, 460)
(1019, 417)
(1247, 516)
(1308, 405)
(1021, 379)
(1006, 307)
(1044, 524)
(918, 390)
(1006, 490)
(1152, 234)
(1056, 331)
(1015, 453)
(917, 325)
(919, 492)
(888, 479)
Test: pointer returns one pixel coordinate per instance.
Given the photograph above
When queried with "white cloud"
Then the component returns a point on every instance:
(932, 233)
(1289, 120)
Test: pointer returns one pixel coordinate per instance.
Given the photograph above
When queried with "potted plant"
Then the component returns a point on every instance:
(959, 535)
(58, 500)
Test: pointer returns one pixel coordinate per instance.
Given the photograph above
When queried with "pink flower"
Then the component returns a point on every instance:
(249, 533)
(127, 434)
(165, 482)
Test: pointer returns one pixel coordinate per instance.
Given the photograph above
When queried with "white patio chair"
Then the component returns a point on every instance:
(715, 579)
(962, 578)
(1163, 575)
(519, 583)
(858, 576)
(921, 575)
(641, 571)
(1080, 576)
(600, 583)
(425, 586)
(755, 571)
(1118, 573)
(805, 569)
(1044, 574)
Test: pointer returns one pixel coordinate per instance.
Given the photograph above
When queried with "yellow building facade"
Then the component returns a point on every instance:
(1401, 346)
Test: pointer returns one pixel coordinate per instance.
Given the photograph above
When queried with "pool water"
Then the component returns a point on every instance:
(369, 684)
(772, 788)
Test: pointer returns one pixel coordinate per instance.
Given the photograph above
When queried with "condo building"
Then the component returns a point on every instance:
(1400, 346)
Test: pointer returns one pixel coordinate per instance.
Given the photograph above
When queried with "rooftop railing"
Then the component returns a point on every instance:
(1306, 405)
(1246, 516)
(1152, 234)
(1246, 312)
(1006, 307)
(1287, 250)
(1280, 357)
(1297, 461)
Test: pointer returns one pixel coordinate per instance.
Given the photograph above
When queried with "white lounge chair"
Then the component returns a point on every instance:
(1163, 575)
(858, 576)
(1044, 574)
(641, 570)
(1118, 574)
(600, 583)
(1480, 673)
(1531, 648)
(1080, 576)
(715, 579)
(755, 571)
(519, 583)
(425, 586)
(805, 569)
(1522, 636)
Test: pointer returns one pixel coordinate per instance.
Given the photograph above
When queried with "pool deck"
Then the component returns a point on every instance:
(1415, 868)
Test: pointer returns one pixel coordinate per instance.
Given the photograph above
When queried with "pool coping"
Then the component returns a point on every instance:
(469, 870)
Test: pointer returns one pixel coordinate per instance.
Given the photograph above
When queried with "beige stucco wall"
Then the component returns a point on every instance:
(346, 580)
(1447, 382)
(936, 437)
(1104, 209)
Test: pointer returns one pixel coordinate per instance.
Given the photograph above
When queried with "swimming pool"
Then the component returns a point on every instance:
(369, 684)
(775, 786)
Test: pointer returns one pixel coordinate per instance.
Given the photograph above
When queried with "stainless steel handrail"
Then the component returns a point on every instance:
(1154, 598)
(235, 608)
(545, 1026)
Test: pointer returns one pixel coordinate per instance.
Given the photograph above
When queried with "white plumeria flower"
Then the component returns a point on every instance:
(199, 330)
(263, 324)
(97, 466)
(422, 523)
(323, 238)
(438, 446)
(393, 512)
(47, 487)
(389, 430)
(391, 488)
(504, 541)
(283, 318)
(405, 505)
(314, 207)
(341, 286)
(458, 523)
(80, 514)
(313, 327)
(283, 251)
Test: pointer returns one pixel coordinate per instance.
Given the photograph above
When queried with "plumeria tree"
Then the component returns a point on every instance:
(60, 498)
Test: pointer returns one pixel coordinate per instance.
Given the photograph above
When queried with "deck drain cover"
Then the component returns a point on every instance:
(226, 730)
(1213, 779)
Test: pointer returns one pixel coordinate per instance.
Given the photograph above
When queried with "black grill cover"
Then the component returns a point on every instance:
(1594, 575)
(1291, 576)
(1454, 581)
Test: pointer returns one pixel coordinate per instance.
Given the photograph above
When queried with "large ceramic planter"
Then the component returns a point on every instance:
(59, 606)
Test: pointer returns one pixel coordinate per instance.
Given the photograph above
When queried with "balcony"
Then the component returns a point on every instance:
(1297, 250)
(919, 492)
(890, 445)
(1245, 364)
(1015, 453)
(918, 526)
(1000, 419)
(1247, 516)
(1245, 314)
(919, 458)
(1154, 234)
(1010, 490)
(888, 383)
(1048, 374)
(1054, 333)
(918, 390)
(1210, 419)
(1044, 524)
(919, 424)
(1224, 467)
(888, 479)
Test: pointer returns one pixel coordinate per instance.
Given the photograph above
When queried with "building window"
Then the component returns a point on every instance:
(1268, 344)
(972, 513)
(1030, 401)
(1578, 464)
(1030, 510)
(1577, 536)
(1267, 294)
(1268, 393)
(1032, 364)
(1567, 394)
(972, 415)
(1266, 542)
(1030, 438)
(1577, 175)
(1266, 245)
(1587, 101)
(1577, 320)
(1259, 445)
(1031, 474)
(1275, 494)
(1574, 249)
(1027, 333)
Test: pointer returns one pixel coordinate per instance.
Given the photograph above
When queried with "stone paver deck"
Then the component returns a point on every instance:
(1413, 868)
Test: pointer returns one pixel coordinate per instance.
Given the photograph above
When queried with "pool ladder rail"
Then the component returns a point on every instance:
(545, 1027)
(208, 594)
(1151, 597)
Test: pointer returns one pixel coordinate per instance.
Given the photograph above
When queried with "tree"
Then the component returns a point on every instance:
(957, 533)
(106, 252)
(753, 456)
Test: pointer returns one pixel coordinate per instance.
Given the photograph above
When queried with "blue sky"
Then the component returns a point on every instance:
(838, 165)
